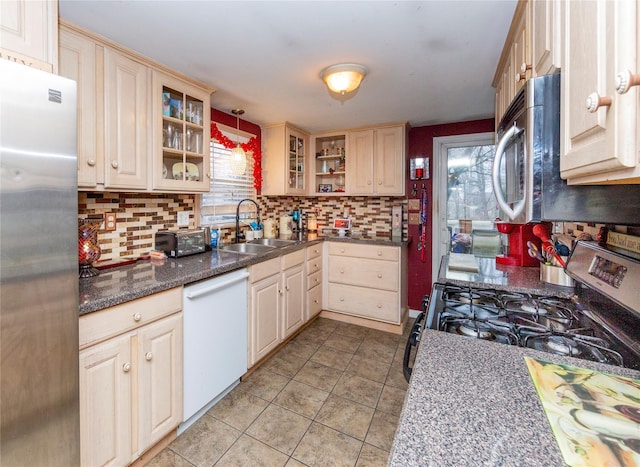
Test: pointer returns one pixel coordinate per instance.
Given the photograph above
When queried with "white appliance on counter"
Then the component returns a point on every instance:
(215, 341)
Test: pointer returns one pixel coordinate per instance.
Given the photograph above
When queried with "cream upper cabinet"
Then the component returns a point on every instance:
(29, 33)
(285, 156)
(127, 126)
(78, 61)
(376, 160)
(600, 128)
(360, 165)
(128, 139)
(181, 134)
(514, 67)
(546, 39)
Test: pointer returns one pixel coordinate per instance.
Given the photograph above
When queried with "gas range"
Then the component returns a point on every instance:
(600, 323)
(546, 323)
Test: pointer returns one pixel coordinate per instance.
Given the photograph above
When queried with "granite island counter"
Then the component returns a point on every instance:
(473, 402)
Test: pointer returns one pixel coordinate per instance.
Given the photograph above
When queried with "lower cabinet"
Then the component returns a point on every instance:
(130, 377)
(276, 302)
(314, 280)
(367, 281)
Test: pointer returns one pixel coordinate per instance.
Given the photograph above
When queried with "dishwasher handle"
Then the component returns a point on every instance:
(215, 287)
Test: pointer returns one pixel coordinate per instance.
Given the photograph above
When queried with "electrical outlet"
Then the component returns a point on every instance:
(414, 218)
(183, 219)
(110, 221)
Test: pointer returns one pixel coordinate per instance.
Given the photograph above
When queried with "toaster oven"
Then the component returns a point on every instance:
(178, 243)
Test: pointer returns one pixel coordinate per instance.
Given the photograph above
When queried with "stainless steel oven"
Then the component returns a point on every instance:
(601, 322)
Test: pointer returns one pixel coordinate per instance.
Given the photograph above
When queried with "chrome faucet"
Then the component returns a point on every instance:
(238, 216)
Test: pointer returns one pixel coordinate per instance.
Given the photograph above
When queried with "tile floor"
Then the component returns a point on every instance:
(331, 397)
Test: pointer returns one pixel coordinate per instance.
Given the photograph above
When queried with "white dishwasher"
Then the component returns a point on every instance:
(215, 341)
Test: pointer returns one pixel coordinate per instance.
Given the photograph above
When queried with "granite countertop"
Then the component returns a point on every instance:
(496, 276)
(472, 402)
(125, 283)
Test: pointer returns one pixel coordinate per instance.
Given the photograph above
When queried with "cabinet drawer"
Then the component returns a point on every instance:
(293, 259)
(314, 251)
(314, 301)
(110, 322)
(364, 272)
(314, 265)
(389, 253)
(381, 305)
(268, 268)
(314, 279)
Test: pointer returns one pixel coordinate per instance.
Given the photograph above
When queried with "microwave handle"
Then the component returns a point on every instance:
(497, 190)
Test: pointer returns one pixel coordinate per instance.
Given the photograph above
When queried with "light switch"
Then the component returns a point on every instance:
(414, 205)
(183, 219)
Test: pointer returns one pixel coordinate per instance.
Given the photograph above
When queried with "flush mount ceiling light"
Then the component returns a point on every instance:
(238, 156)
(344, 77)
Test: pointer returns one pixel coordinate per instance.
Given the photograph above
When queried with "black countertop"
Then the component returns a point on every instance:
(124, 283)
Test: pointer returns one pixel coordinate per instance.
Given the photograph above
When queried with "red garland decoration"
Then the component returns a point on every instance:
(250, 146)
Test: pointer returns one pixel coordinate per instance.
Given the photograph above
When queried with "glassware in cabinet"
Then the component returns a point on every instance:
(184, 141)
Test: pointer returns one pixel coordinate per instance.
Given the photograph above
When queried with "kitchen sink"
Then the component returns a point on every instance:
(273, 242)
(248, 248)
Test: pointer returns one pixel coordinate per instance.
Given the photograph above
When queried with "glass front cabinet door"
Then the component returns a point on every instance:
(182, 121)
(297, 150)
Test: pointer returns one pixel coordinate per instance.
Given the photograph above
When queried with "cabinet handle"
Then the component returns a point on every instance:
(595, 101)
(316, 280)
(209, 176)
(148, 356)
(126, 367)
(286, 288)
(522, 74)
(624, 80)
(379, 276)
(316, 266)
(379, 253)
(368, 182)
(341, 250)
(342, 299)
(114, 164)
(379, 306)
(341, 271)
(280, 292)
(316, 252)
(137, 317)
(315, 301)
(91, 162)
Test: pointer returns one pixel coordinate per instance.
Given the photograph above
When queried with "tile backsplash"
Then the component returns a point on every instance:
(140, 215)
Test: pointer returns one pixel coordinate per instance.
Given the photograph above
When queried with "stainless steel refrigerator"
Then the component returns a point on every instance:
(39, 402)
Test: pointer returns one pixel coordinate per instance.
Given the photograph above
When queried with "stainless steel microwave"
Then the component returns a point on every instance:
(526, 167)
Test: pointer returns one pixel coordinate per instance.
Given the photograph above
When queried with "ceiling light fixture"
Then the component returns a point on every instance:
(344, 77)
(238, 156)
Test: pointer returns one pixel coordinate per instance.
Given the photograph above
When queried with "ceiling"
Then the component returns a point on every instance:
(429, 62)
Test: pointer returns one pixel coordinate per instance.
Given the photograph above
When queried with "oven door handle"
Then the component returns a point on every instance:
(414, 339)
(511, 133)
